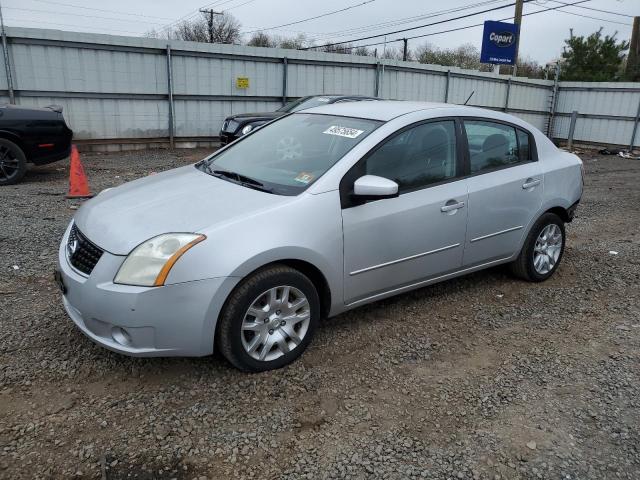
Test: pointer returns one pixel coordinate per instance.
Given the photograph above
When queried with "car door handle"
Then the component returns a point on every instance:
(530, 183)
(448, 207)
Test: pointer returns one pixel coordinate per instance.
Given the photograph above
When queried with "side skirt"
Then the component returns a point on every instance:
(423, 283)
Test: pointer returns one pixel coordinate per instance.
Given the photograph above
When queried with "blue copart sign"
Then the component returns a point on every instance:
(499, 43)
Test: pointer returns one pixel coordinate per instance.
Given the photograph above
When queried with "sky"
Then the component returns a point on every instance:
(542, 35)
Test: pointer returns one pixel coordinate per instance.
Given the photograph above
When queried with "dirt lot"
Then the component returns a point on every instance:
(479, 377)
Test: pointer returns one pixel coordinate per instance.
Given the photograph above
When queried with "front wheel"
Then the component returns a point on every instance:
(268, 320)
(542, 250)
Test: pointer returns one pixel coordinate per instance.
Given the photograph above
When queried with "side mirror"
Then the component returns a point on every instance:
(372, 187)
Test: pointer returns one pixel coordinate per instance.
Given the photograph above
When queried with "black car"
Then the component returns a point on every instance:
(31, 135)
(241, 124)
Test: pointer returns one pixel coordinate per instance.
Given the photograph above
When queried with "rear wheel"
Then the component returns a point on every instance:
(13, 163)
(542, 250)
(268, 320)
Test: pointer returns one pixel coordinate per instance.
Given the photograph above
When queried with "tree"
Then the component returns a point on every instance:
(392, 53)
(464, 56)
(361, 52)
(527, 67)
(225, 29)
(261, 39)
(294, 43)
(594, 58)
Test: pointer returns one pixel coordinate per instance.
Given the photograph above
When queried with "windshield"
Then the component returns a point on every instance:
(289, 154)
(304, 103)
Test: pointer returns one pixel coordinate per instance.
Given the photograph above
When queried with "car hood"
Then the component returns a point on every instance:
(249, 117)
(181, 200)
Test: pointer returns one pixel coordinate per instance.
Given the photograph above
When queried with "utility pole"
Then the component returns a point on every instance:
(633, 60)
(517, 19)
(7, 65)
(405, 49)
(210, 13)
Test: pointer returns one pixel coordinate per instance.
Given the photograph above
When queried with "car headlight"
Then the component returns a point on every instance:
(247, 129)
(149, 264)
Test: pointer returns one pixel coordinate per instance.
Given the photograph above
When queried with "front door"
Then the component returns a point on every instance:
(392, 243)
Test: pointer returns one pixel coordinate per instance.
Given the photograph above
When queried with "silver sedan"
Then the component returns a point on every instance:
(309, 216)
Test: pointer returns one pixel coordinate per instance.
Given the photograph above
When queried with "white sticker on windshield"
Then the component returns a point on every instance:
(343, 131)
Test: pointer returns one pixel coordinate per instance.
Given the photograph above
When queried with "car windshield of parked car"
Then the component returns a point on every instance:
(286, 156)
(304, 103)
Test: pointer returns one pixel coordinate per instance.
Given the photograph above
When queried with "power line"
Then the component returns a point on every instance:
(81, 15)
(70, 25)
(419, 26)
(377, 26)
(241, 5)
(188, 15)
(404, 20)
(594, 18)
(99, 9)
(443, 31)
(191, 14)
(594, 9)
(313, 18)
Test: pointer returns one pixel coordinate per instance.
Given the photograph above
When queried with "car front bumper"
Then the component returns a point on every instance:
(226, 138)
(173, 320)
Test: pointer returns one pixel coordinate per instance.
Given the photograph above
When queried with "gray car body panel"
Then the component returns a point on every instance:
(365, 253)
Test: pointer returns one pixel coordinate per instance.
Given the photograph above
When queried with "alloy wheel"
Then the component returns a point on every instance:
(9, 163)
(546, 251)
(275, 323)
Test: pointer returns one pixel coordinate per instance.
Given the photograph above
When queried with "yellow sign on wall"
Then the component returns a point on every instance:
(242, 82)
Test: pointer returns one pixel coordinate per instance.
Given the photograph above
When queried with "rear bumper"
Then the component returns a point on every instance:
(51, 157)
(40, 153)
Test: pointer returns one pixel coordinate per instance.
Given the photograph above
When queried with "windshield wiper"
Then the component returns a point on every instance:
(240, 179)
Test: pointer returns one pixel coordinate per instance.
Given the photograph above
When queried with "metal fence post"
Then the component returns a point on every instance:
(506, 97)
(446, 87)
(7, 63)
(554, 101)
(376, 87)
(170, 97)
(635, 129)
(572, 129)
(285, 65)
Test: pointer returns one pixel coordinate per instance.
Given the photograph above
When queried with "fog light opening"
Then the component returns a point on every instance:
(121, 336)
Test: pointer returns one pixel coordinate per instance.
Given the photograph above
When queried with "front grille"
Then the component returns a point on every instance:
(82, 254)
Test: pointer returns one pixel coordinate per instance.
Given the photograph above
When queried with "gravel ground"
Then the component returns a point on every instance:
(479, 377)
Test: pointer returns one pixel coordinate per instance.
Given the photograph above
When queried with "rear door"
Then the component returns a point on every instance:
(505, 189)
(392, 243)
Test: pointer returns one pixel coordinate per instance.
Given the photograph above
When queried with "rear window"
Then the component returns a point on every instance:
(495, 145)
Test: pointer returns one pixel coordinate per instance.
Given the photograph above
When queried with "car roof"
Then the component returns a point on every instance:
(335, 97)
(386, 110)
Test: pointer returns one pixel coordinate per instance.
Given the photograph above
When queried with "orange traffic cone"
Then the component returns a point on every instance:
(78, 184)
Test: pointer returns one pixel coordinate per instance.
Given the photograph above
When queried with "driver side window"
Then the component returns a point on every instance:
(417, 157)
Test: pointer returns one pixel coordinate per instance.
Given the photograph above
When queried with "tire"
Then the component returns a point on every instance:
(13, 163)
(526, 266)
(243, 336)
